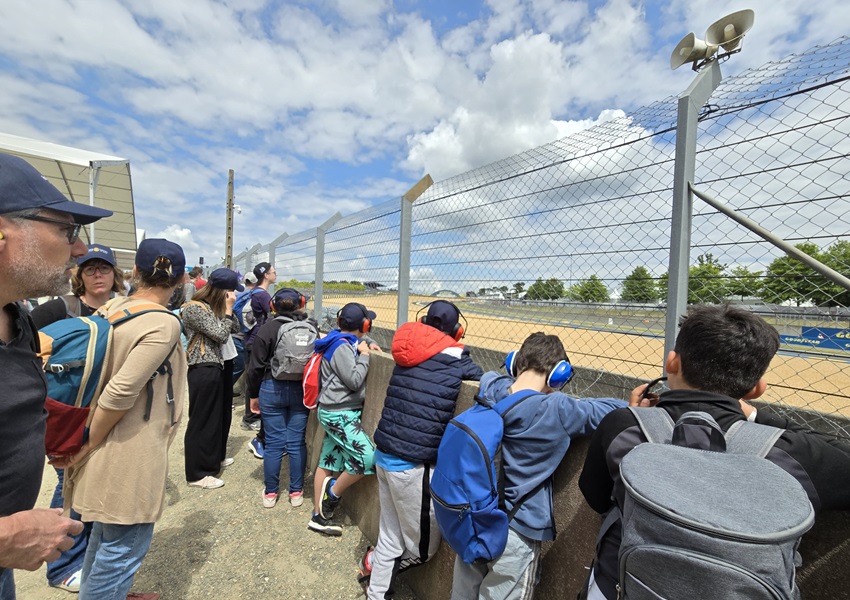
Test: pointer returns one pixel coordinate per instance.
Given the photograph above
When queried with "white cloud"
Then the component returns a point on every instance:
(282, 92)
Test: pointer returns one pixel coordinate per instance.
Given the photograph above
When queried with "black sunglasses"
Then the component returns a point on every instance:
(72, 230)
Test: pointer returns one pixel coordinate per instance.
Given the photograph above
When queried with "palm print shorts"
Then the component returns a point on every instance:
(346, 446)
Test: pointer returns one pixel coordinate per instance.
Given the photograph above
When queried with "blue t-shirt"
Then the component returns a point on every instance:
(391, 462)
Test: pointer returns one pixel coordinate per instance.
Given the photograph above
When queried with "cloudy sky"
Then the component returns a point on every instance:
(335, 105)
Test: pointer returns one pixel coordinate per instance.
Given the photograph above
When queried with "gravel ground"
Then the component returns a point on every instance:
(223, 544)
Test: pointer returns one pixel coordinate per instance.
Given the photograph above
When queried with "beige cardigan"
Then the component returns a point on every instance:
(122, 481)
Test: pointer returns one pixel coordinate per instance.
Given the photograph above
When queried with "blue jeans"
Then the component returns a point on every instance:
(239, 361)
(71, 560)
(114, 555)
(7, 584)
(285, 421)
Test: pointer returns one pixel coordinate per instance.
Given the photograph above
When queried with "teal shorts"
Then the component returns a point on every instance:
(346, 446)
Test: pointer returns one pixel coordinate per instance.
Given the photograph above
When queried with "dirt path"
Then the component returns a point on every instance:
(223, 544)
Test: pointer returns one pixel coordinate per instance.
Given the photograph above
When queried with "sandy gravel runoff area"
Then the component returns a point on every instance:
(815, 383)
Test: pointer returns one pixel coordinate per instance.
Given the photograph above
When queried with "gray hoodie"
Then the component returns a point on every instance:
(344, 375)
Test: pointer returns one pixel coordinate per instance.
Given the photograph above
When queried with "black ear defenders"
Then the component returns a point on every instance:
(457, 332)
(365, 325)
(558, 377)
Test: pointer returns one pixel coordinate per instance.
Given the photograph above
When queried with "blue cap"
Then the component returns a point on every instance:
(100, 252)
(225, 279)
(22, 187)
(443, 315)
(352, 315)
(290, 294)
(151, 249)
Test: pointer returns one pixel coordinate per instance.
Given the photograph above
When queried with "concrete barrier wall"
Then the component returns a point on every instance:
(826, 560)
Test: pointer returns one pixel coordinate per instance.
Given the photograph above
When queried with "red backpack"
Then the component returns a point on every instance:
(312, 382)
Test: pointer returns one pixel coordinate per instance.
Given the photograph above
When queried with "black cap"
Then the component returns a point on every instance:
(261, 269)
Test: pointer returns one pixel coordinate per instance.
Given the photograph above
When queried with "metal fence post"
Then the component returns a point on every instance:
(690, 103)
(320, 265)
(273, 248)
(404, 240)
(403, 299)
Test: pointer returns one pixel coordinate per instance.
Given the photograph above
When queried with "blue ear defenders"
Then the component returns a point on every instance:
(558, 377)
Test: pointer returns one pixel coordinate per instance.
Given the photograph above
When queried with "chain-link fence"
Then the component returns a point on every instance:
(574, 237)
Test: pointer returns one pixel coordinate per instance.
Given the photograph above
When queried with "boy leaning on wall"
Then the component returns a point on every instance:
(347, 449)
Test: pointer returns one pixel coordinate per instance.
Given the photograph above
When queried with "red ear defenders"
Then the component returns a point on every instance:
(558, 377)
(302, 301)
(457, 332)
(365, 325)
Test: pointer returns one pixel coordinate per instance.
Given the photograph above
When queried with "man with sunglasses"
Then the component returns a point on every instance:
(39, 233)
(96, 279)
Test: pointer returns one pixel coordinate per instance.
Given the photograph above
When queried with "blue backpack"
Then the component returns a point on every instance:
(243, 311)
(465, 486)
(74, 353)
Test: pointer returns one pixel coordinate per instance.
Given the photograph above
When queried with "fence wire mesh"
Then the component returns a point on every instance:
(574, 237)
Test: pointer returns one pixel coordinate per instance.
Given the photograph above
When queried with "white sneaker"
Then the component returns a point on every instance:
(296, 499)
(208, 483)
(226, 462)
(269, 500)
(70, 583)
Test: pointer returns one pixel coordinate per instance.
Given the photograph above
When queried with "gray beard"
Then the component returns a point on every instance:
(35, 278)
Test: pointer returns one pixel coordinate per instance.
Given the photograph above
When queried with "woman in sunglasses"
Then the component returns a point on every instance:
(93, 283)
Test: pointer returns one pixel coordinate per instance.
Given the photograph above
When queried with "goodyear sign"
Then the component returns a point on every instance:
(820, 337)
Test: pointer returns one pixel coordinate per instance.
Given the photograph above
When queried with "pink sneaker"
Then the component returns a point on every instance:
(269, 500)
(296, 499)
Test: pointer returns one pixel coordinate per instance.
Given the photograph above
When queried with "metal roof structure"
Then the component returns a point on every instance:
(89, 178)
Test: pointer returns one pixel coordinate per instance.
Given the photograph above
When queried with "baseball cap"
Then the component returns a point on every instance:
(250, 278)
(261, 269)
(152, 248)
(22, 187)
(99, 252)
(353, 313)
(225, 279)
(447, 314)
(290, 294)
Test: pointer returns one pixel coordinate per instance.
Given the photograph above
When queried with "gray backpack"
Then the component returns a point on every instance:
(293, 349)
(706, 515)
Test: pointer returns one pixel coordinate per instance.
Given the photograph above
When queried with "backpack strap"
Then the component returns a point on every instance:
(164, 369)
(655, 423)
(751, 438)
(507, 403)
(73, 307)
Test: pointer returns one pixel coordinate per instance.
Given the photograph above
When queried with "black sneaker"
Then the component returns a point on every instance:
(328, 506)
(326, 526)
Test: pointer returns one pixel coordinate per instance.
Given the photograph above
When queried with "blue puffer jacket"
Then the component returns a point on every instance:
(423, 390)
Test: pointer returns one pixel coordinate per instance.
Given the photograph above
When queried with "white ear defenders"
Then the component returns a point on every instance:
(558, 377)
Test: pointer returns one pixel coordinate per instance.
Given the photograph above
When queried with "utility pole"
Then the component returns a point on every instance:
(228, 250)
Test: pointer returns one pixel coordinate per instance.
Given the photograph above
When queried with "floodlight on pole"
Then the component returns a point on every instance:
(727, 33)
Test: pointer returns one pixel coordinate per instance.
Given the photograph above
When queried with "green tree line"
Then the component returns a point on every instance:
(711, 281)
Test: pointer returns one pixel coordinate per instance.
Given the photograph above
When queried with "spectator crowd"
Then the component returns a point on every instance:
(179, 342)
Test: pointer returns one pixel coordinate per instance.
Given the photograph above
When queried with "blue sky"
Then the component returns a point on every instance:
(334, 105)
